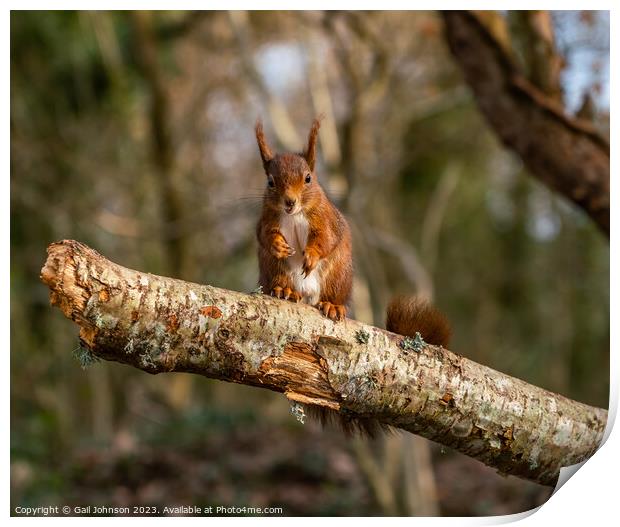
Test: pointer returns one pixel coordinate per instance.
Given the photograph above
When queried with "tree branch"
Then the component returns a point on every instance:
(565, 153)
(533, 40)
(161, 324)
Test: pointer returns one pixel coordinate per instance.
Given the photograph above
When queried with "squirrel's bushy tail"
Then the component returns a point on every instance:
(408, 315)
(351, 426)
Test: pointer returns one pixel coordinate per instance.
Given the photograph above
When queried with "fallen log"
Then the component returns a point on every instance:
(160, 324)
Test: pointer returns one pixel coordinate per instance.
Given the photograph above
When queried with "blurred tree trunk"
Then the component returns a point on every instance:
(162, 147)
(533, 45)
(160, 325)
(163, 154)
(564, 152)
(282, 122)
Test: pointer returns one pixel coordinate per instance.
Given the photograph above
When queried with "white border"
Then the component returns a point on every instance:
(590, 496)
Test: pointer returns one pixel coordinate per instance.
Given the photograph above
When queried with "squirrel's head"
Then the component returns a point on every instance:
(292, 186)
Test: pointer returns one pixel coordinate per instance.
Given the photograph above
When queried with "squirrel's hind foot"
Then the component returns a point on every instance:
(333, 311)
(286, 293)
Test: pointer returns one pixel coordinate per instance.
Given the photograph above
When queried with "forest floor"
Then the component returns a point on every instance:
(305, 471)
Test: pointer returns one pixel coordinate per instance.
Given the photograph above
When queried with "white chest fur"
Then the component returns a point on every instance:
(294, 228)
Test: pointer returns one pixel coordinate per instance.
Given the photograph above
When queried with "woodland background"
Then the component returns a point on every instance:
(133, 133)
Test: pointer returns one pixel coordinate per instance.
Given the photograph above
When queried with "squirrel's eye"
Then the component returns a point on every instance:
(308, 178)
(271, 182)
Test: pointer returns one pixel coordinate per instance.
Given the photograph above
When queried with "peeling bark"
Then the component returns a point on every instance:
(161, 324)
(565, 153)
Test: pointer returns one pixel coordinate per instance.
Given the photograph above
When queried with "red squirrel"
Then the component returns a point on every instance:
(304, 255)
(304, 242)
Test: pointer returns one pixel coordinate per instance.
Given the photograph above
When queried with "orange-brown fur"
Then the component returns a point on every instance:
(328, 244)
(328, 240)
(410, 315)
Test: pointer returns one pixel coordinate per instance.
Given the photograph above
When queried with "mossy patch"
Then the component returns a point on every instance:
(413, 344)
(85, 356)
(362, 336)
(298, 411)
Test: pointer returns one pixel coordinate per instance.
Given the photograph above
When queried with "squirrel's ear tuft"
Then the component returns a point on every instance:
(265, 151)
(310, 152)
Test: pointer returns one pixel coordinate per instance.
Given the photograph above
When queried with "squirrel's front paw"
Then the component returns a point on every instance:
(280, 249)
(311, 259)
(333, 311)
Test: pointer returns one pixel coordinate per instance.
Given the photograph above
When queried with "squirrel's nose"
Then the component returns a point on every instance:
(290, 203)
